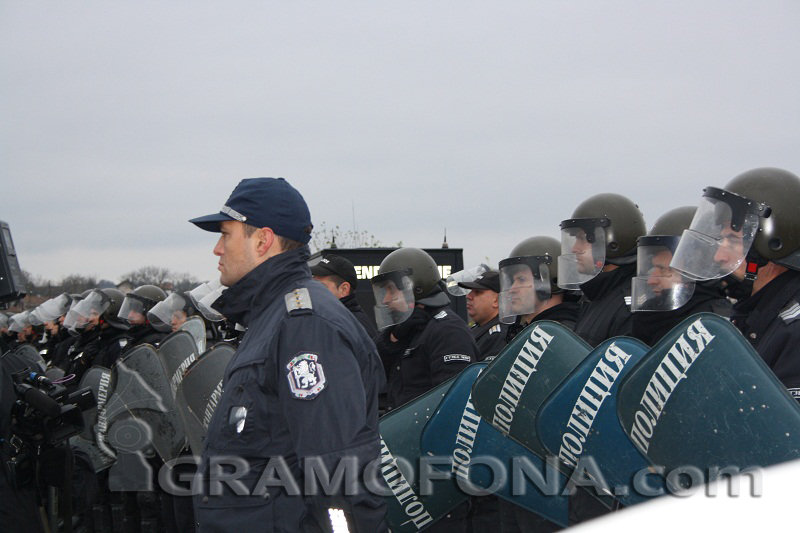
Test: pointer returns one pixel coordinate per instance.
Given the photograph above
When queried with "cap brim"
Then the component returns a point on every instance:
(476, 286)
(211, 222)
(319, 270)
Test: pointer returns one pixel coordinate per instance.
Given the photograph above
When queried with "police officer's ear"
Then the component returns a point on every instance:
(496, 301)
(344, 289)
(264, 241)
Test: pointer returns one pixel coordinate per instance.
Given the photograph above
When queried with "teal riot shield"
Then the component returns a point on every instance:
(92, 440)
(510, 391)
(143, 398)
(579, 423)
(479, 454)
(176, 353)
(702, 400)
(195, 326)
(199, 391)
(410, 508)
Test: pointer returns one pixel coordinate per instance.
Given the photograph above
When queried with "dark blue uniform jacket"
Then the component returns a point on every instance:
(303, 385)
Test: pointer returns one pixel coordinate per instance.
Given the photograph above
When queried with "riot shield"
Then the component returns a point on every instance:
(479, 453)
(176, 352)
(142, 392)
(703, 402)
(29, 354)
(92, 440)
(411, 509)
(579, 421)
(199, 391)
(197, 328)
(510, 391)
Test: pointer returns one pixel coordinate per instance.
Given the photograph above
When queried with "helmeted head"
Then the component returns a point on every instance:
(657, 286)
(137, 303)
(171, 313)
(527, 277)
(753, 220)
(406, 277)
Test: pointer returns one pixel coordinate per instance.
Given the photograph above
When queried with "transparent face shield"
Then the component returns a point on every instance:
(524, 286)
(394, 297)
(164, 313)
(721, 234)
(463, 276)
(204, 305)
(583, 251)
(34, 319)
(87, 311)
(132, 311)
(657, 286)
(17, 323)
(53, 308)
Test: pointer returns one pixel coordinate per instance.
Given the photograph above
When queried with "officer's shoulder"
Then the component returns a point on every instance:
(299, 302)
(791, 313)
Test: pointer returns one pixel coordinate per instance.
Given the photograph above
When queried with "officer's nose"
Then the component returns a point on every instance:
(218, 249)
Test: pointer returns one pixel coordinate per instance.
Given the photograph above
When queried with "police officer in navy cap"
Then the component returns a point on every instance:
(339, 276)
(483, 309)
(301, 390)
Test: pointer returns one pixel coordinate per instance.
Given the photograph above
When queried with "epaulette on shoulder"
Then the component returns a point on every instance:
(440, 315)
(298, 302)
(791, 312)
(495, 329)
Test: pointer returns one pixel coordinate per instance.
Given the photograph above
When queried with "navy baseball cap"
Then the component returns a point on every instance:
(264, 203)
(337, 266)
(489, 280)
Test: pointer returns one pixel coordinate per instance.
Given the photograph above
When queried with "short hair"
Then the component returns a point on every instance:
(287, 245)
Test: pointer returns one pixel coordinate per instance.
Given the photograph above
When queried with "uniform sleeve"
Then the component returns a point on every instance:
(324, 401)
(451, 350)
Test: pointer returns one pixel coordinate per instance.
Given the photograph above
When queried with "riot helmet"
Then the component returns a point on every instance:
(53, 308)
(3, 322)
(754, 219)
(137, 303)
(17, 322)
(171, 313)
(657, 286)
(468, 275)
(526, 277)
(603, 230)
(406, 277)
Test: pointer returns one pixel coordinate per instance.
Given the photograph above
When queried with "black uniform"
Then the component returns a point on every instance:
(770, 320)
(434, 353)
(605, 307)
(650, 326)
(351, 303)
(304, 383)
(490, 338)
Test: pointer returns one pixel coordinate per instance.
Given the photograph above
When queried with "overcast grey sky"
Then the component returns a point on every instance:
(121, 120)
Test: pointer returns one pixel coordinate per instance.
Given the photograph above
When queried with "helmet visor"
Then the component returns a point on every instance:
(717, 242)
(657, 287)
(463, 276)
(53, 308)
(17, 322)
(583, 254)
(204, 305)
(163, 313)
(524, 285)
(394, 297)
(132, 311)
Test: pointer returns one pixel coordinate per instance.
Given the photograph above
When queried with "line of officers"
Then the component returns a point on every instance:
(736, 254)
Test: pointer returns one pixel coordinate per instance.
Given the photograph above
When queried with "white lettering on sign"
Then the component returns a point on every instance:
(521, 370)
(402, 490)
(668, 375)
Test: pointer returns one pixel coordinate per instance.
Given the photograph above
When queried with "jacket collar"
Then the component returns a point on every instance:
(262, 285)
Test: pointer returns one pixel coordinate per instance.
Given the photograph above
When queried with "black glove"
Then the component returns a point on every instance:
(406, 329)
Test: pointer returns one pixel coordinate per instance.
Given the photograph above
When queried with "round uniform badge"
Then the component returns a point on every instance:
(306, 376)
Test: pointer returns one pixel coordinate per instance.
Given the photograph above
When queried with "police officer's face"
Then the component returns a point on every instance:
(523, 296)
(662, 277)
(394, 299)
(178, 318)
(730, 252)
(481, 305)
(582, 249)
(337, 290)
(236, 251)
(136, 319)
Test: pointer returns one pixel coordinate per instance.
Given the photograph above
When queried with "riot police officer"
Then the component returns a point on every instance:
(750, 229)
(598, 256)
(422, 342)
(662, 297)
(483, 308)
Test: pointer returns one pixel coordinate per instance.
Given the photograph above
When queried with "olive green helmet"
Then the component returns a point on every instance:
(541, 247)
(526, 277)
(140, 301)
(778, 236)
(115, 297)
(424, 273)
(618, 215)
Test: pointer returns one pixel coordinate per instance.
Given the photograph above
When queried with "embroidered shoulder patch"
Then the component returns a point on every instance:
(306, 376)
(456, 358)
(795, 393)
(298, 299)
(791, 312)
(440, 315)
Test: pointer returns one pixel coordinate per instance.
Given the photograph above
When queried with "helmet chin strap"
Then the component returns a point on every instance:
(753, 262)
